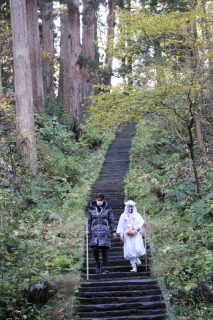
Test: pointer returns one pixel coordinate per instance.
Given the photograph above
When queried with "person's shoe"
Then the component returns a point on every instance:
(105, 271)
(134, 269)
(98, 267)
(138, 262)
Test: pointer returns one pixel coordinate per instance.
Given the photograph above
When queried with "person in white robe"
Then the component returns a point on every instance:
(130, 227)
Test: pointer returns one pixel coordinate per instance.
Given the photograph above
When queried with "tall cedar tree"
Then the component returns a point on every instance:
(88, 48)
(65, 58)
(35, 55)
(25, 126)
(75, 72)
(48, 47)
(110, 38)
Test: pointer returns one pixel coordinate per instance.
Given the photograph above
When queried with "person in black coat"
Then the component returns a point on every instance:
(100, 216)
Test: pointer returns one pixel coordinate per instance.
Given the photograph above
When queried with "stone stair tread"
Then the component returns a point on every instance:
(113, 269)
(133, 317)
(136, 281)
(142, 275)
(119, 299)
(125, 313)
(118, 293)
(122, 306)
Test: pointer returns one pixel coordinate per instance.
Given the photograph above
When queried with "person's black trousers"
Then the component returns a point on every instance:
(95, 250)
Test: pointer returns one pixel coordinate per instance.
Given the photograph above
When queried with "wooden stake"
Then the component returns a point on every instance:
(87, 241)
(144, 210)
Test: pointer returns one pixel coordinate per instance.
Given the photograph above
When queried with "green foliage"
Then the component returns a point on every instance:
(32, 246)
(180, 223)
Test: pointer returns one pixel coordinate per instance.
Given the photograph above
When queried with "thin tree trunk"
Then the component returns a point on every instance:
(75, 75)
(1, 85)
(48, 47)
(191, 148)
(25, 126)
(198, 130)
(110, 37)
(35, 55)
(65, 60)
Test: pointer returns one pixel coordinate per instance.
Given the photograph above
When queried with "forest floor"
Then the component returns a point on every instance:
(34, 247)
(179, 221)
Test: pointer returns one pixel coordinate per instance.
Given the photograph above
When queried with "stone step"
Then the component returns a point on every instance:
(113, 269)
(122, 292)
(120, 299)
(118, 275)
(121, 306)
(115, 263)
(161, 316)
(119, 283)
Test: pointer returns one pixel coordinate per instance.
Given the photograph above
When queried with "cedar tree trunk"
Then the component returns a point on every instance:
(65, 60)
(110, 37)
(25, 126)
(48, 47)
(75, 76)
(35, 55)
(88, 48)
(129, 58)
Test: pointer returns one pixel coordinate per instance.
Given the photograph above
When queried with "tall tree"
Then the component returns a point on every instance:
(110, 38)
(65, 59)
(88, 47)
(1, 85)
(35, 55)
(25, 126)
(75, 72)
(129, 57)
(48, 47)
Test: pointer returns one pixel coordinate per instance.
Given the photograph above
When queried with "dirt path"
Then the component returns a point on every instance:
(120, 294)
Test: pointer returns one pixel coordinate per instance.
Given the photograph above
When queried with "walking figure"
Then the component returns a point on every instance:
(100, 217)
(130, 227)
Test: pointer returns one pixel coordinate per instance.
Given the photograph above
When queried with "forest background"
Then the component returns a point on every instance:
(164, 65)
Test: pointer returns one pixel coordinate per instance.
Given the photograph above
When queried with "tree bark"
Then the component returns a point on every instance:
(25, 126)
(96, 55)
(75, 72)
(35, 55)
(88, 48)
(129, 58)
(1, 85)
(48, 47)
(88, 45)
(65, 60)
(191, 148)
(198, 130)
(110, 37)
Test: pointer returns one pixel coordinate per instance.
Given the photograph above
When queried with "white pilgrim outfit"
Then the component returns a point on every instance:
(133, 245)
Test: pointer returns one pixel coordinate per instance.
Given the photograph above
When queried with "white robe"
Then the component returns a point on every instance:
(133, 246)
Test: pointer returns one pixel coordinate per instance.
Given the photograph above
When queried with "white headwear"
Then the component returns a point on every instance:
(131, 203)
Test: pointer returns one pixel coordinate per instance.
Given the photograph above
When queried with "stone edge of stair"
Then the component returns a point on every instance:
(162, 285)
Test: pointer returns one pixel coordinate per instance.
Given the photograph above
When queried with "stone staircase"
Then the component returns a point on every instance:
(120, 294)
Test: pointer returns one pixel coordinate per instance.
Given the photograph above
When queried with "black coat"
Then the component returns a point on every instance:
(98, 224)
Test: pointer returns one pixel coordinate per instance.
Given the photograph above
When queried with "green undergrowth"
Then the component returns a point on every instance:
(33, 247)
(179, 221)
